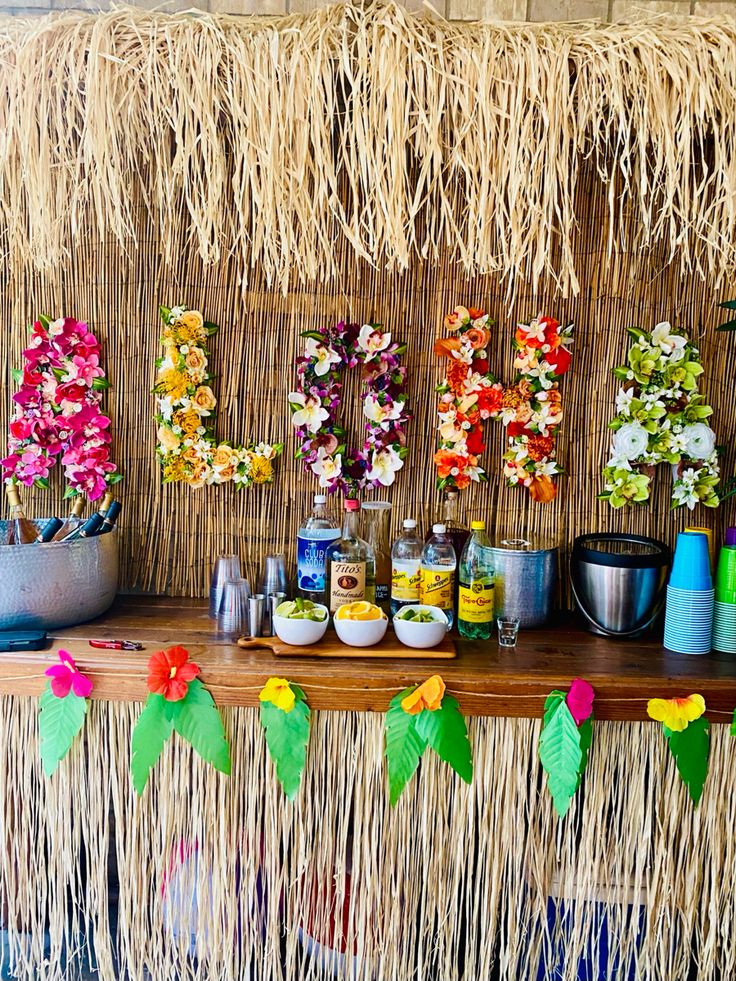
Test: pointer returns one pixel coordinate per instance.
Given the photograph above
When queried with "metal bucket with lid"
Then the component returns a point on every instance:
(618, 582)
(526, 576)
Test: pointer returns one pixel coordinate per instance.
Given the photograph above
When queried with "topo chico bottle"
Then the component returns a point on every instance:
(477, 581)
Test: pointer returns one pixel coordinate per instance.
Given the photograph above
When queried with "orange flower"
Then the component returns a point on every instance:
(539, 447)
(490, 400)
(456, 319)
(542, 489)
(444, 346)
(457, 373)
(524, 387)
(427, 696)
(169, 673)
(478, 337)
(462, 481)
(476, 312)
(445, 461)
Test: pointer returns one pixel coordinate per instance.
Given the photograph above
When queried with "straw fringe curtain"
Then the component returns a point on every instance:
(404, 136)
(452, 882)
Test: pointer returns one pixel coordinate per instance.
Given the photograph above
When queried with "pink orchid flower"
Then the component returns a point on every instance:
(65, 678)
(580, 700)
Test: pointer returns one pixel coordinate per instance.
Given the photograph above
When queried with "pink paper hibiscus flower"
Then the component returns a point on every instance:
(65, 678)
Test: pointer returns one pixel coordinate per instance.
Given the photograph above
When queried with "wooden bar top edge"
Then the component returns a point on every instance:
(487, 681)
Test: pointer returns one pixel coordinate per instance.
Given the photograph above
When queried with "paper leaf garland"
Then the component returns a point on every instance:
(567, 732)
(404, 746)
(424, 716)
(178, 702)
(59, 723)
(63, 706)
(688, 736)
(285, 719)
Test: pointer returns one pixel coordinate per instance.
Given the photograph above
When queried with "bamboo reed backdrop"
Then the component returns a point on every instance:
(370, 165)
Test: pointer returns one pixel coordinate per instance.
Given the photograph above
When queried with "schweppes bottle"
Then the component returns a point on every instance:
(477, 578)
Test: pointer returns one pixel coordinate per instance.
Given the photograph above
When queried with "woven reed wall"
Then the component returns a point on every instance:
(170, 535)
(452, 884)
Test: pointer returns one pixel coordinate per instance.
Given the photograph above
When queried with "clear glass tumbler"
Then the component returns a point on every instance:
(232, 617)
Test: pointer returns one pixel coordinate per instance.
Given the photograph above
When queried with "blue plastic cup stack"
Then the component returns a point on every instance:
(724, 617)
(688, 621)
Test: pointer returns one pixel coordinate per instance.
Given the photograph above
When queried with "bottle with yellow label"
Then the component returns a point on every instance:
(438, 567)
(406, 558)
(477, 581)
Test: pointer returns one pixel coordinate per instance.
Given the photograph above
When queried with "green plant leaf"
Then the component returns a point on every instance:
(59, 722)
(154, 726)
(728, 305)
(45, 321)
(560, 755)
(287, 736)
(728, 325)
(315, 335)
(446, 732)
(69, 493)
(17, 375)
(199, 722)
(691, 749)
(404, 745)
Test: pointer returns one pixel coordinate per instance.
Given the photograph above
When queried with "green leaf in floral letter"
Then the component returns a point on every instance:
(560, 754)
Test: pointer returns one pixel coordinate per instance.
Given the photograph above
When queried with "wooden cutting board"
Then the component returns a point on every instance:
(332, 646)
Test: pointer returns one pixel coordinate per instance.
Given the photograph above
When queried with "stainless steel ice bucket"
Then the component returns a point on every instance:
(618, 582)
(525, 581)
(44, 587)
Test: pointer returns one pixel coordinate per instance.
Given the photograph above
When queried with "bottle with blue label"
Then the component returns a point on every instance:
(316, 533)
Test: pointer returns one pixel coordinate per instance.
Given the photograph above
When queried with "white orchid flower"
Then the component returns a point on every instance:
(384, 465)
(265, 450)
(450, 431)
(166, 407)
(327, 467)
(323, 356)
(381, 414)
(534, 329)
(464, 354)
(372, 341)
(624, 398)
(311, 415)
(672, 344)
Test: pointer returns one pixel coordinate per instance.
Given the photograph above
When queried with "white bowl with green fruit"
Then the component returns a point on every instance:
(420, 626)
(300, 622)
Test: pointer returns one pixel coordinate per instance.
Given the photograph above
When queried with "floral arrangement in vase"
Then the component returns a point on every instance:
(661, 419)
(185, 406)
(58, 412)
(532, 407)
(469, 394)
(316, 402)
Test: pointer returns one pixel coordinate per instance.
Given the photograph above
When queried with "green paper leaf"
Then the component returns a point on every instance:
(446, 732)
(314, 335)
(199, 722)
(404, 745)
(560, 755)
(59, 722)
(733, 723)
(728, 305)
(154, 726)
(691, 749)
(287, 736)
(586, 738)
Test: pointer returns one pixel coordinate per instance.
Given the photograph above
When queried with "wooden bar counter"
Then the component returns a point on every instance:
(488, 681)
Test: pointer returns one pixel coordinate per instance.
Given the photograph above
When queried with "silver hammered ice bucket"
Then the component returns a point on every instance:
(618, 582)
(44, 587)
(525, 581)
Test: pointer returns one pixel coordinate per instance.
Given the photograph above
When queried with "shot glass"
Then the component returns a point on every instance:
(508, 631)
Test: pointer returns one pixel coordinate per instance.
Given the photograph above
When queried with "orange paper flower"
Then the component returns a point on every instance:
(169, 673)
(444, 346)
(427, 696)
(478, 337)
(676, 713)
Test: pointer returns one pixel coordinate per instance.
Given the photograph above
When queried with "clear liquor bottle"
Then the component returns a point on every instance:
(21, 531)
(376, 521)
(350, 564)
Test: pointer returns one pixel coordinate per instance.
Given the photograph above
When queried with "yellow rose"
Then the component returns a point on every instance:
(191, 455)
(167, 439)
(224, 455)
(200, 473)
(195, 360)
(203, 400)
(192, 319)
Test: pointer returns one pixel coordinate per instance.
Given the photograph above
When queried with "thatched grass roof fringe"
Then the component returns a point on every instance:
(403, 135)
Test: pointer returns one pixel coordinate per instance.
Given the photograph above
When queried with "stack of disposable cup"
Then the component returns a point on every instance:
(724, 616)
(688, 621)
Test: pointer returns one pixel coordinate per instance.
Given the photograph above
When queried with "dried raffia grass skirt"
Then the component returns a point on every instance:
(223, 878)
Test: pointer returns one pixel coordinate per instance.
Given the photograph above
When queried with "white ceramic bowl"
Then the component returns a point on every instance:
(361, 633)
(301, 633)
(421, 635)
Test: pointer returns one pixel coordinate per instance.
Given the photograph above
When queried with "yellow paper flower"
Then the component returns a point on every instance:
(676, 713)
(427, 696)
(278, 692)
(174, 383)
(261, 469)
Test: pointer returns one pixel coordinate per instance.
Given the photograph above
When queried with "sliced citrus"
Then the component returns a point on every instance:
(372, 613)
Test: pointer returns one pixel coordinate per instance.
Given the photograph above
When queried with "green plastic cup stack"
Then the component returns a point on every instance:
(724, 614)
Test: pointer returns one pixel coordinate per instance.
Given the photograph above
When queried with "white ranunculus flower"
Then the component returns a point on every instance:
(699, 441)
(630, 441)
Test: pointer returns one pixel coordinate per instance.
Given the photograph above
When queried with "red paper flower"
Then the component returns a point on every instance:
(65, 678)
(580, 700)
(559, 359)
(169, 673)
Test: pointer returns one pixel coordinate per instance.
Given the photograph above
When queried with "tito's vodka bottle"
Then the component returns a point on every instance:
(351, 564)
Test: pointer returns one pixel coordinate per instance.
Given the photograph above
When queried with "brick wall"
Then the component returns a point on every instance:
(531, 10)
